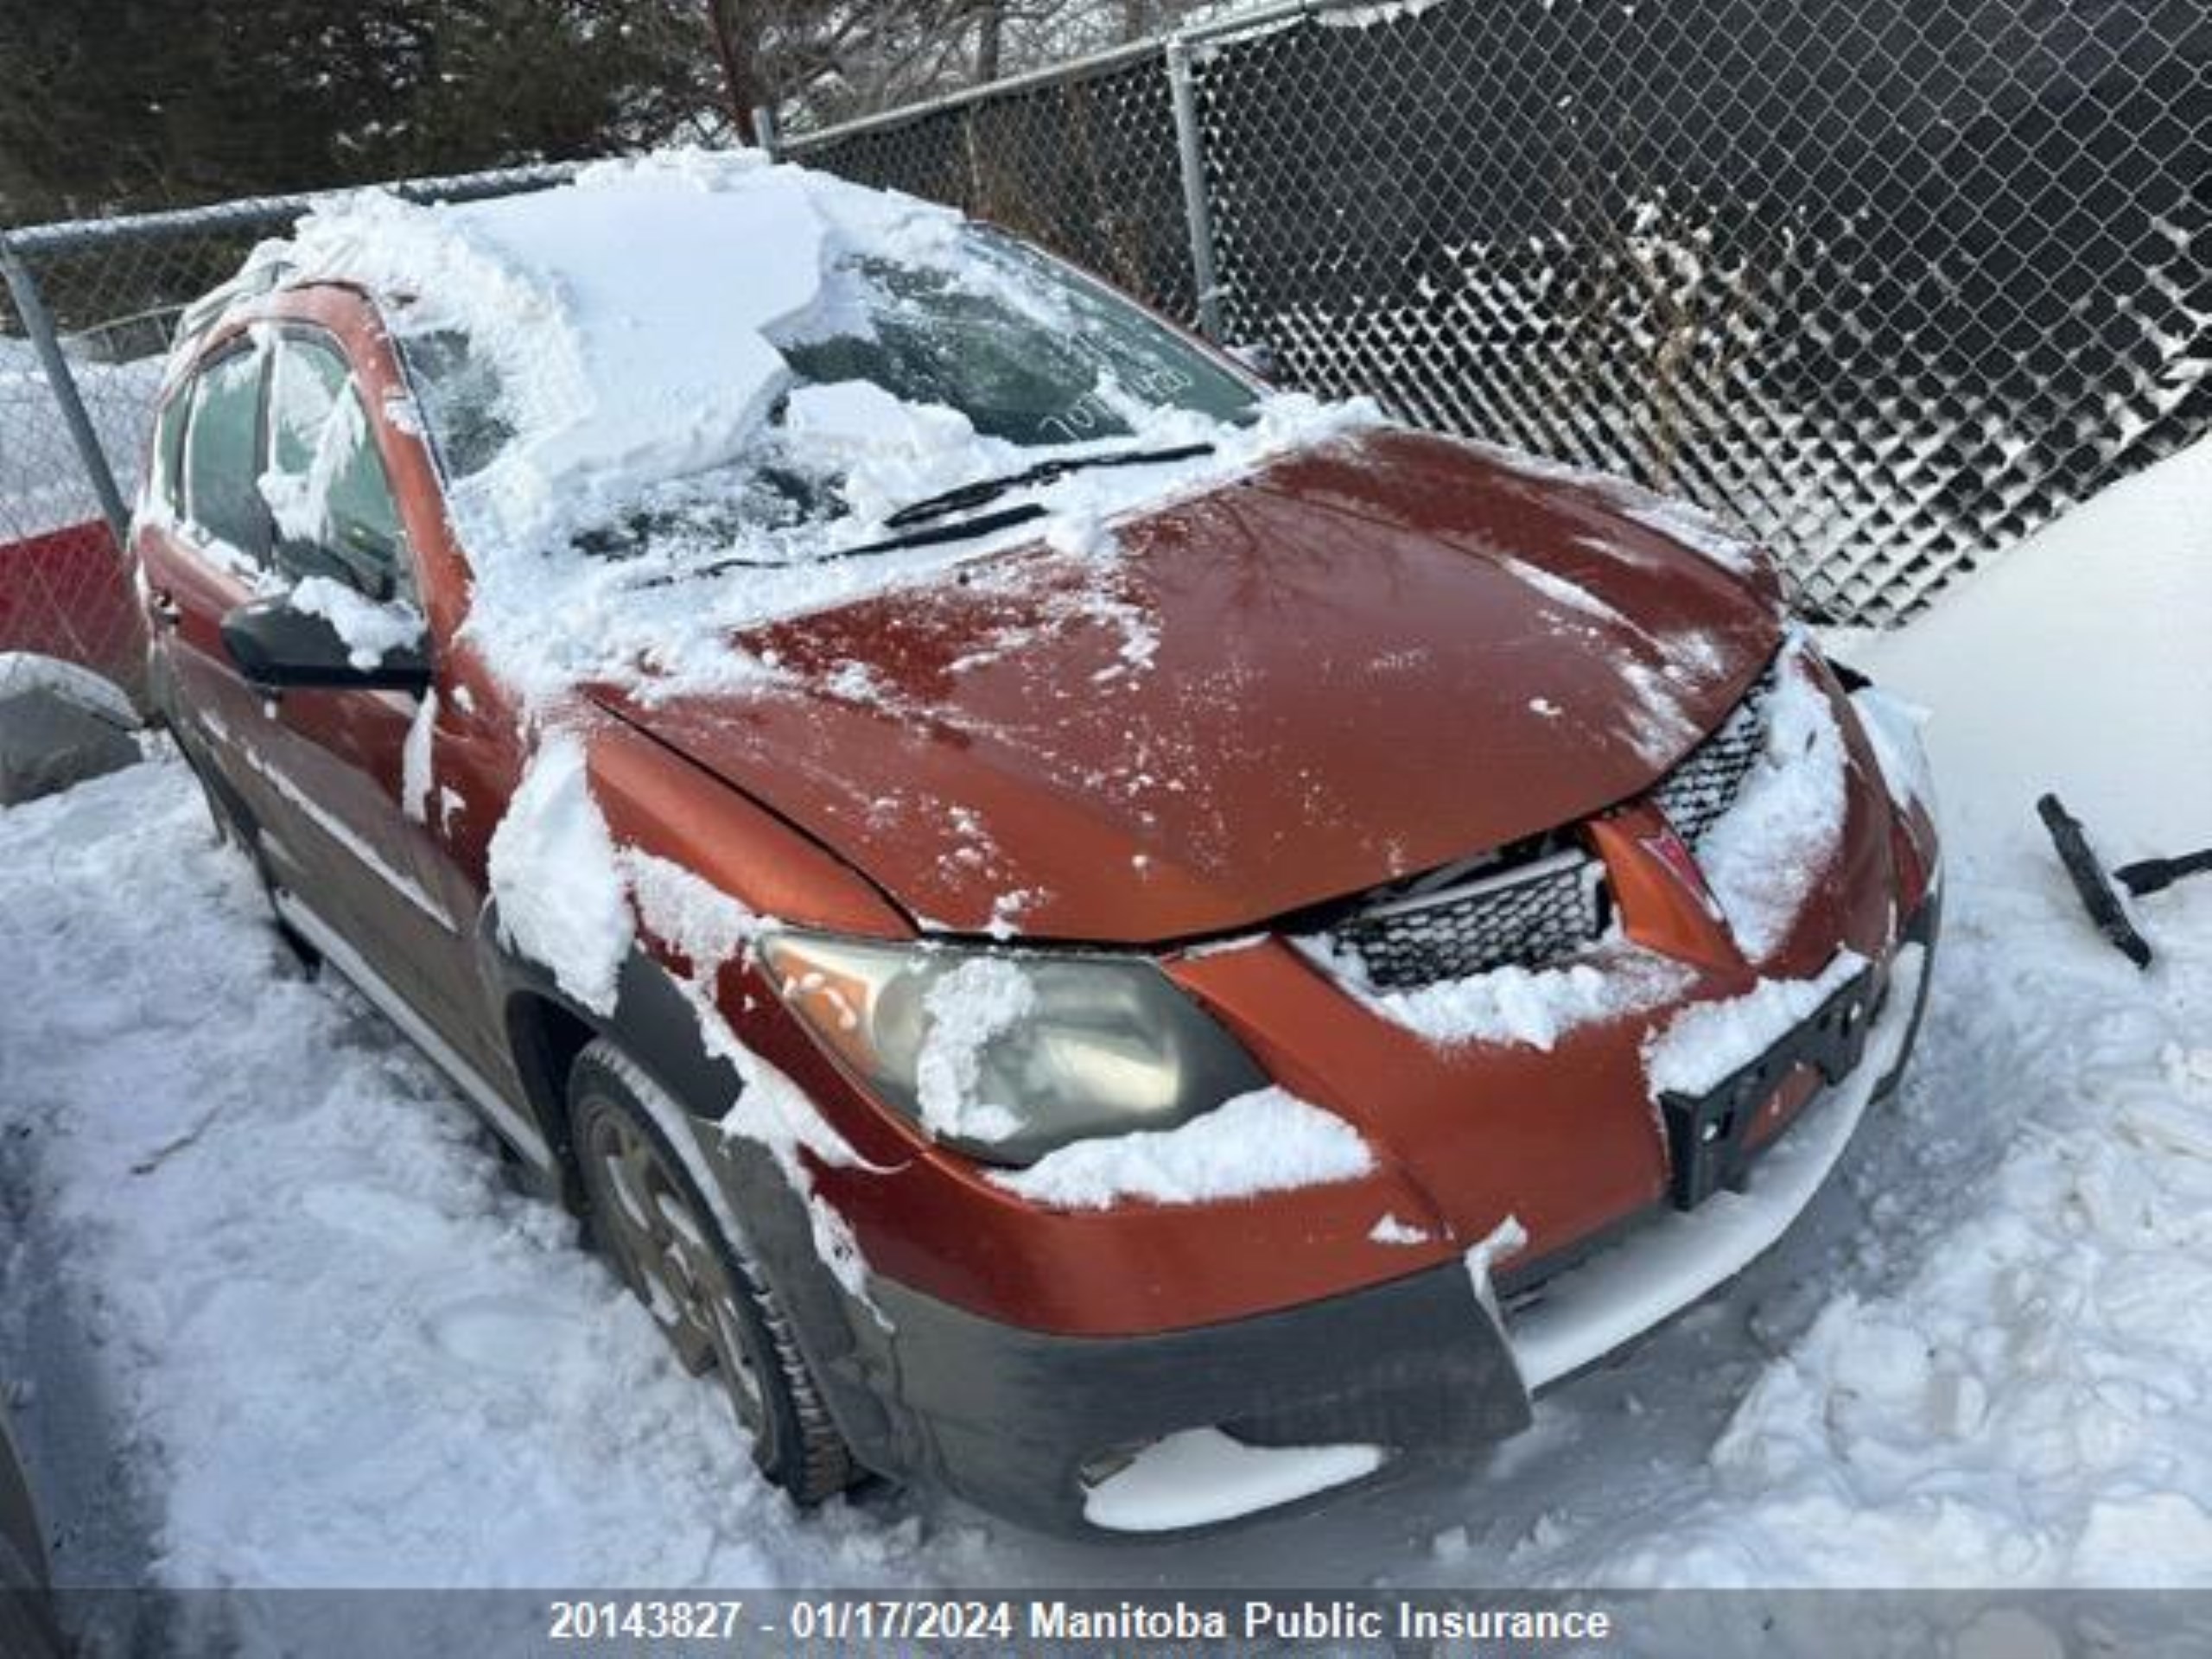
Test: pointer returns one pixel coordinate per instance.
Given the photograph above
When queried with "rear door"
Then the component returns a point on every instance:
(203, 544)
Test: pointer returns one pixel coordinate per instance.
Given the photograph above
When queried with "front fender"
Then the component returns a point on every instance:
(656, 1024)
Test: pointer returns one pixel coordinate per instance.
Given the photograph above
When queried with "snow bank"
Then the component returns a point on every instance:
(1266, 1141)
(1896, 731)
(1998, 1376)
(275, 1278)
(22, 670)
(2065, 666)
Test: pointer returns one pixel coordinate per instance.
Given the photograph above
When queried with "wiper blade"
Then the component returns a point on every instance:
(962, 497)
(966, 529)
(954, 500)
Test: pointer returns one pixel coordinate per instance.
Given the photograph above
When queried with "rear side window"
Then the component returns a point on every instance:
(165, 487)
(326, 485)
(222, 452)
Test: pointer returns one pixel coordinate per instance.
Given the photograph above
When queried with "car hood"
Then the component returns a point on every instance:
(1365, 661)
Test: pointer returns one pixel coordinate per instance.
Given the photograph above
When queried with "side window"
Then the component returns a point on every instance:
(326, 485)
(460, 397)
(165, 486)
(222, 450)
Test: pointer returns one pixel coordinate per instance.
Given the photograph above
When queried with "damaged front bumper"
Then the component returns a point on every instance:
(1055, 1431)
(1677, 1256)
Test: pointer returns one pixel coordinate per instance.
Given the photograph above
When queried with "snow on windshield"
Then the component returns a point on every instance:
(672, 398)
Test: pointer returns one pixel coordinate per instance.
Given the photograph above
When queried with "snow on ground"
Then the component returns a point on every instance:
(311, 1317)
(259, 1258)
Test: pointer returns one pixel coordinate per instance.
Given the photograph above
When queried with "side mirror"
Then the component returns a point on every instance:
(277, 647)
(301, 559)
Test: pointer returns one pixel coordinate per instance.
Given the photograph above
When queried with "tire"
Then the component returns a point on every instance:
(649, 1218)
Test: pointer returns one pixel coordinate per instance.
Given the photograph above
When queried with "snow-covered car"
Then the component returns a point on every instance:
(1133, 945)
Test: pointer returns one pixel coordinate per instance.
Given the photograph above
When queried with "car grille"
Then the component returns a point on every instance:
(1526, 916)
(1697, 794)
(1542, 910)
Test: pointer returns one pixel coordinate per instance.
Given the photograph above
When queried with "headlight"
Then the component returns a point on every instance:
(1008, 1054)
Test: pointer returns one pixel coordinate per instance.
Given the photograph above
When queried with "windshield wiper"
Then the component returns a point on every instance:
(951, 501)
(1006, 518)
(962, 497)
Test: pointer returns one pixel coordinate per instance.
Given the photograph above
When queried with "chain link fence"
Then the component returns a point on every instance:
(1890, 281)
(86, 312)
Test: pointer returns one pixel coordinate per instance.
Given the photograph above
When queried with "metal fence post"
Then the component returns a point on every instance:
(1197, 211)
(38, 323)
(765, 132)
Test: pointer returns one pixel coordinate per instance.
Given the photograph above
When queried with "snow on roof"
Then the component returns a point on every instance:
(627, 313)
(637, 324)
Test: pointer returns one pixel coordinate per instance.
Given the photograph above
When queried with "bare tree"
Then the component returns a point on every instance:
(991, 39)
(733, 29)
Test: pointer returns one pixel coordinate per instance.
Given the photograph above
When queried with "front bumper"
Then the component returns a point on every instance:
(1023, 1423)
(1032, 1425)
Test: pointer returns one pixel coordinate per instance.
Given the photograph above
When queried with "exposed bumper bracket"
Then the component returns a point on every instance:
(1708, 1143)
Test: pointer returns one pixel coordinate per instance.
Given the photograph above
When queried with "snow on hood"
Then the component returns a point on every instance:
(1358, 663)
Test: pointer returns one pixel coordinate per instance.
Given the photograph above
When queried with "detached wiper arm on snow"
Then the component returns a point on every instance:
(962, 497)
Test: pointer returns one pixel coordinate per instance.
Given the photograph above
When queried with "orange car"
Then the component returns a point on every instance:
(1143, 1011)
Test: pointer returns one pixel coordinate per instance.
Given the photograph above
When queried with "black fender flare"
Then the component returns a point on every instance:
(656, 1024)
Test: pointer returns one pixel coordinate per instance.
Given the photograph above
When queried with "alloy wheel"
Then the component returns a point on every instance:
(667, 1255)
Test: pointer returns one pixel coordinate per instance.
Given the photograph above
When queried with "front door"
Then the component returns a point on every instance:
(360, 761)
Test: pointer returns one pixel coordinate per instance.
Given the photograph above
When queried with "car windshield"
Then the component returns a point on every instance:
(903, 378)
(1025, 349)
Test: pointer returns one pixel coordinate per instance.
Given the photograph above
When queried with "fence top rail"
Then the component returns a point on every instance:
(1092, 65)
(74, 235)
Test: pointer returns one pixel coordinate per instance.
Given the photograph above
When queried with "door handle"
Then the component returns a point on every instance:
(163, 607)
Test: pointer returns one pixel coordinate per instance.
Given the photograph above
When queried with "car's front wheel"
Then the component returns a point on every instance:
(650, 1219)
